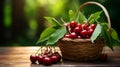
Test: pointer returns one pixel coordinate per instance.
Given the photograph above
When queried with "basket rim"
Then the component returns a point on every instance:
(76, 40)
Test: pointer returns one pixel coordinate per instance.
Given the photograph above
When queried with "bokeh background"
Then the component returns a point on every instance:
(21, 21)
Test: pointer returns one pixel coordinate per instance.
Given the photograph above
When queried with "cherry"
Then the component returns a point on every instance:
(90, 31)
(73, 24)
(40, 59)
(47, 61)
(84, 26)
(77, 30)
(33, 58)
(93, 26)
(79, 25)
(84, 33)
(58, 55)
(73, 35)
(103, 57)
(54, 59)
(67, 36)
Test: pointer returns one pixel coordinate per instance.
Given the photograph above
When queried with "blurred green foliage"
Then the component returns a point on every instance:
(54, 8)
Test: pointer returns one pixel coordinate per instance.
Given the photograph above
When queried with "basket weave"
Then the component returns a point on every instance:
(83, 49)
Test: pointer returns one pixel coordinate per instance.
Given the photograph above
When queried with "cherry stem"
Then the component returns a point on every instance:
(38, 51)
(54, 49)
(66, 25)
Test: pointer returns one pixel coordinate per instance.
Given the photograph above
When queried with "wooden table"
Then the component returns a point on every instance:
(19, 57)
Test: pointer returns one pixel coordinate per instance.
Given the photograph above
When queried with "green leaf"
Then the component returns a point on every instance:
(114, 34)
(93, 17)
(53, 21)
(107, 36)
(71, 15)
(96, 33)
(81, 17)
(59, 33)
(45, 34)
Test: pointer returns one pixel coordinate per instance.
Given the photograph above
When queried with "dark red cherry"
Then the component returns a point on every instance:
(103, 57)
(47, 61)
(84, 33)
(54, 59)
(90, 31)
(77, 30)
(84, 26)
(67, 36)
(73, 35)
(33, 58)
(58, 55)
(73, 24)
(93, 26)
(40, 59)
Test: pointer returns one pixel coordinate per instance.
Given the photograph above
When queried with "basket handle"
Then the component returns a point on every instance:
(103, 8)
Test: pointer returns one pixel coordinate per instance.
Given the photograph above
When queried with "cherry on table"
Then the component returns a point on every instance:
(103, 57)
(54, 59)
(40, 59)
(33, 58)
(47, 61)
(58, 55)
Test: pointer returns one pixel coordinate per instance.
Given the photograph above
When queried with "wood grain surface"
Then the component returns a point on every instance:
(19, 57)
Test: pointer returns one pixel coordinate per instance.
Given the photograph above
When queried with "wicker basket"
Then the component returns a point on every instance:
(83, 49)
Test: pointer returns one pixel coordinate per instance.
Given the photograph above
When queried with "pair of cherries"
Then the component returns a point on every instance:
(46, 58)
(77, 30)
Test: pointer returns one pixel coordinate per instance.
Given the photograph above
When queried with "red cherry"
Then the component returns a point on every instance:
(93, 26)
(58, 55)
(84, 26)
(79, 25)
(33, 58)
(90, 31)
(54, 59)
(47, 61)
(84, 33)
(103, 57)
(73, 35)
(77, 30)
(40, 59)
(73, 24)
(67, 36)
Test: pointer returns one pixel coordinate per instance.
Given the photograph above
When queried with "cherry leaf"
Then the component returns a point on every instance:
(59, 33)
(45, 34)
(93, 17)
(96, 33)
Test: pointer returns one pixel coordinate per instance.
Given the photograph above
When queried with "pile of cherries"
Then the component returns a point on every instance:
(77, 30)
(46, 58)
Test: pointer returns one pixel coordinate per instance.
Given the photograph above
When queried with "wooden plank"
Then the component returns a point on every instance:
(19, 56)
